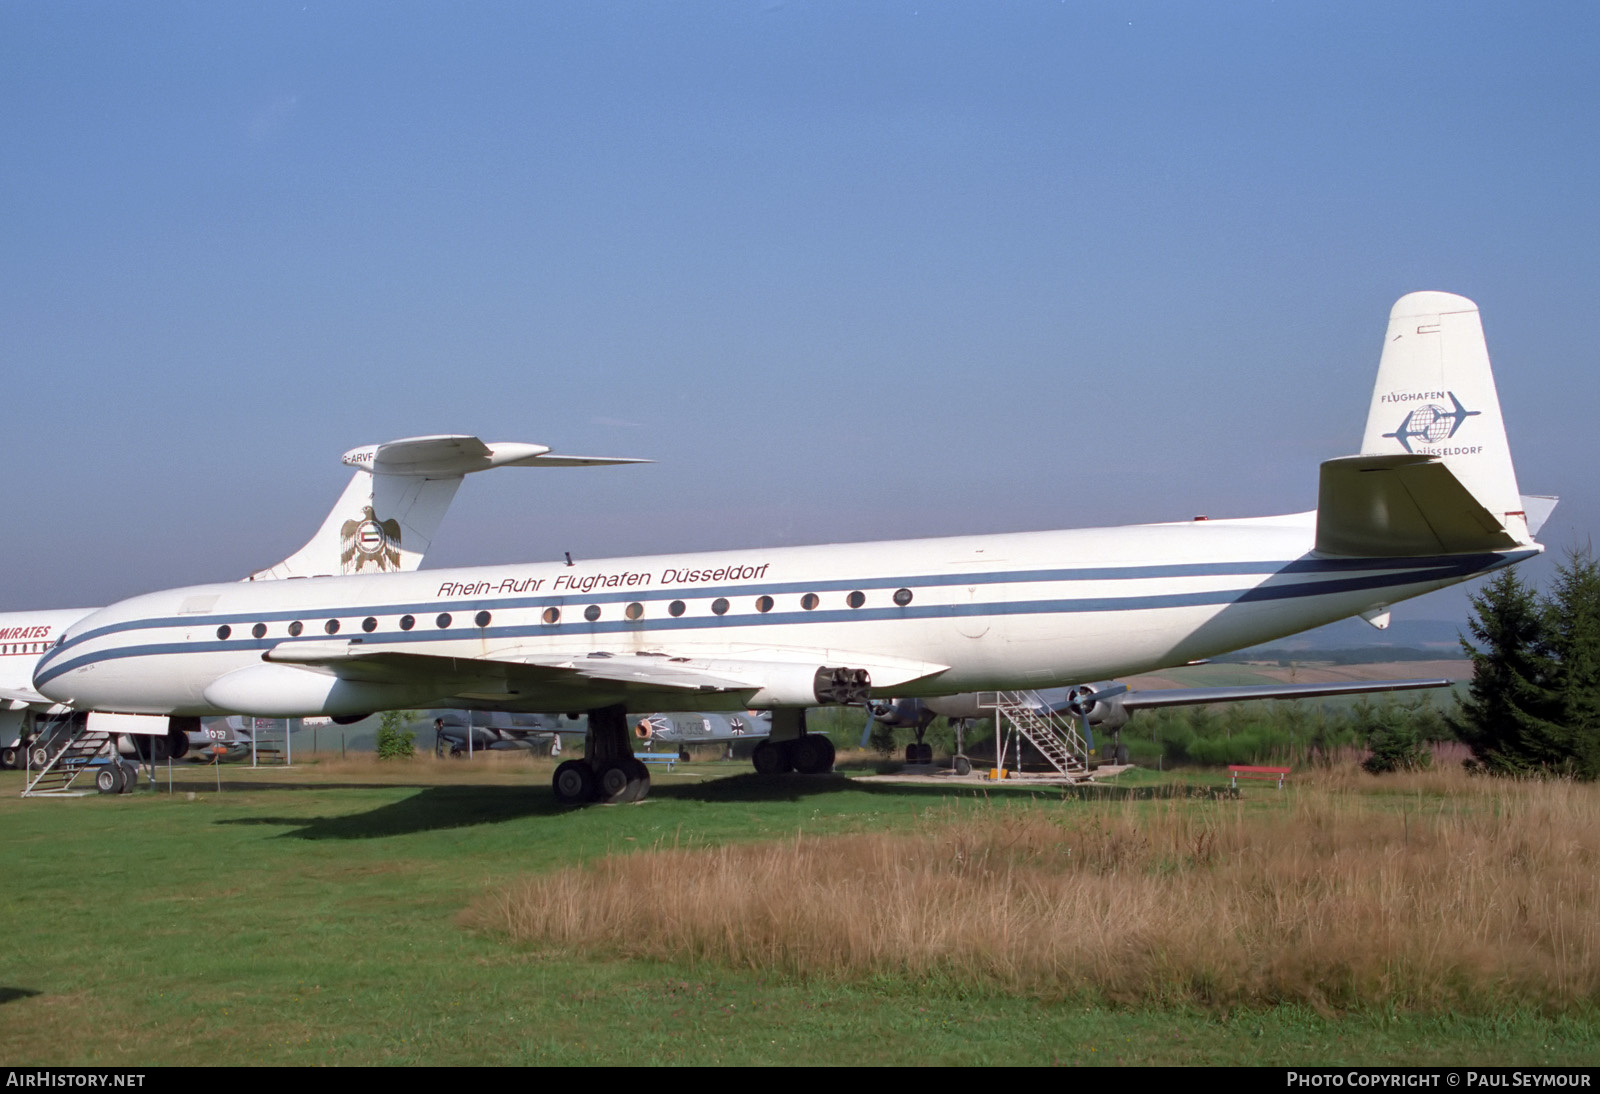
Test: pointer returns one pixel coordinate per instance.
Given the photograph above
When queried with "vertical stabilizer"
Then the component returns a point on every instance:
(380, 524)
(1436, 397)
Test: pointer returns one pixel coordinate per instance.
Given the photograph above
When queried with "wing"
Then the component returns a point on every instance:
(541, 680)
(1178, 697)
(19, 697)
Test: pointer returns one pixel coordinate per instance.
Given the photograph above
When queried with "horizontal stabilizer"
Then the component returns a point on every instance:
(1397, 506)
(1538, 508)
(458, 454)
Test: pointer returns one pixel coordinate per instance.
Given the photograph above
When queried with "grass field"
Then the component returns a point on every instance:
(343, 912)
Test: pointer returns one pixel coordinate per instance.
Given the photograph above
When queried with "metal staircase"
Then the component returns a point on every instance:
(61, 753)
(1026, 714)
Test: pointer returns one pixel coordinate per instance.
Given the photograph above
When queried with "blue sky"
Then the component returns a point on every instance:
(845, 270)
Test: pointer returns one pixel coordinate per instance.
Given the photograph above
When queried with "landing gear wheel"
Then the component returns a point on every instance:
(813, 754)
(963, 766)
(573, 783)
(39, 756)
(8, 759)
(110, 779)
(615, 779)
(1120, 755)
(638, 780)
(771, 758)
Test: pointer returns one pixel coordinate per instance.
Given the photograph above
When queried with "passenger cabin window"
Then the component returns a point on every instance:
(763, 603)
(675, 609)
(259, 630)
(856, 599)
(809, 601)
(369, 624)
(902, 597)
(407, 622)
(482, 619)
(331, 626)
(443, 620)
(592, 612)
(634, 611)
(295, 628)
(552, 615)
(224, 630)
(720, 605)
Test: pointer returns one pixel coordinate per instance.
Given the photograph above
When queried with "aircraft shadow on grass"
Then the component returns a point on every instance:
(11, 995)
(436, 808)
(431, 809)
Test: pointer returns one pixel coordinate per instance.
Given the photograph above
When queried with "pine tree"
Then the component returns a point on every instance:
(1506, 717)
(1572, 637)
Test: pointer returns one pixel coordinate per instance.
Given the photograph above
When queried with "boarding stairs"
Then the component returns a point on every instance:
(1026, 714)
(60, 754)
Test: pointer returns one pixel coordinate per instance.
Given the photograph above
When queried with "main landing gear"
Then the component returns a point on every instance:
(811, 754)
(791, 748)
(608, 772)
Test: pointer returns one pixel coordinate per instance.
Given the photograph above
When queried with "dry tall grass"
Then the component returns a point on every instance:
(1453, 893)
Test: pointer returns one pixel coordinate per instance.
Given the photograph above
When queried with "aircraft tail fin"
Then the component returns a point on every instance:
(389, 513)
(1435, 474)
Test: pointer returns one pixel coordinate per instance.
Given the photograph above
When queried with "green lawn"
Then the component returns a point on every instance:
(312, 917)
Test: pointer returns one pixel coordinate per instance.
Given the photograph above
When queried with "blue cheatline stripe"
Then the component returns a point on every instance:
(389, 639)
(1460, 565)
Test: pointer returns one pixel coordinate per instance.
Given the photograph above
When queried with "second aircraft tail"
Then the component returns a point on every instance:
(389, 513)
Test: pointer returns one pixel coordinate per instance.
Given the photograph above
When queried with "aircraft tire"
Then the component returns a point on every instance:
(573, 783)
(638, 780)
(130, 778)
(39, 755)
(772, 758)
(109, 779)
(963, 766)
(8, 759)
(813, 754)
(617, 782)
(1120, 756)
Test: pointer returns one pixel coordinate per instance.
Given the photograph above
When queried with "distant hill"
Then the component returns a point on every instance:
(1354, 642)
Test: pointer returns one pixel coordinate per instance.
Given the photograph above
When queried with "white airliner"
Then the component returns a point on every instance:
(383, 522)
(1431, 500)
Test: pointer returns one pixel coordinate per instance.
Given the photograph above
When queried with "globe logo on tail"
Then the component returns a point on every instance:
(1431, 424)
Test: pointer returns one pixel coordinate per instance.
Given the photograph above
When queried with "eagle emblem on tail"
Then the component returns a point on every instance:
(369, 542)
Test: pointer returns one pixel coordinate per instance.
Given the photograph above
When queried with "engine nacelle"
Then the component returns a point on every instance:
(1107, 712)
(904, 713)
(809, 686)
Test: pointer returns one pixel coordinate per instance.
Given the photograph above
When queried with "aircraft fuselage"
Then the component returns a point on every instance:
(1022, 610)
